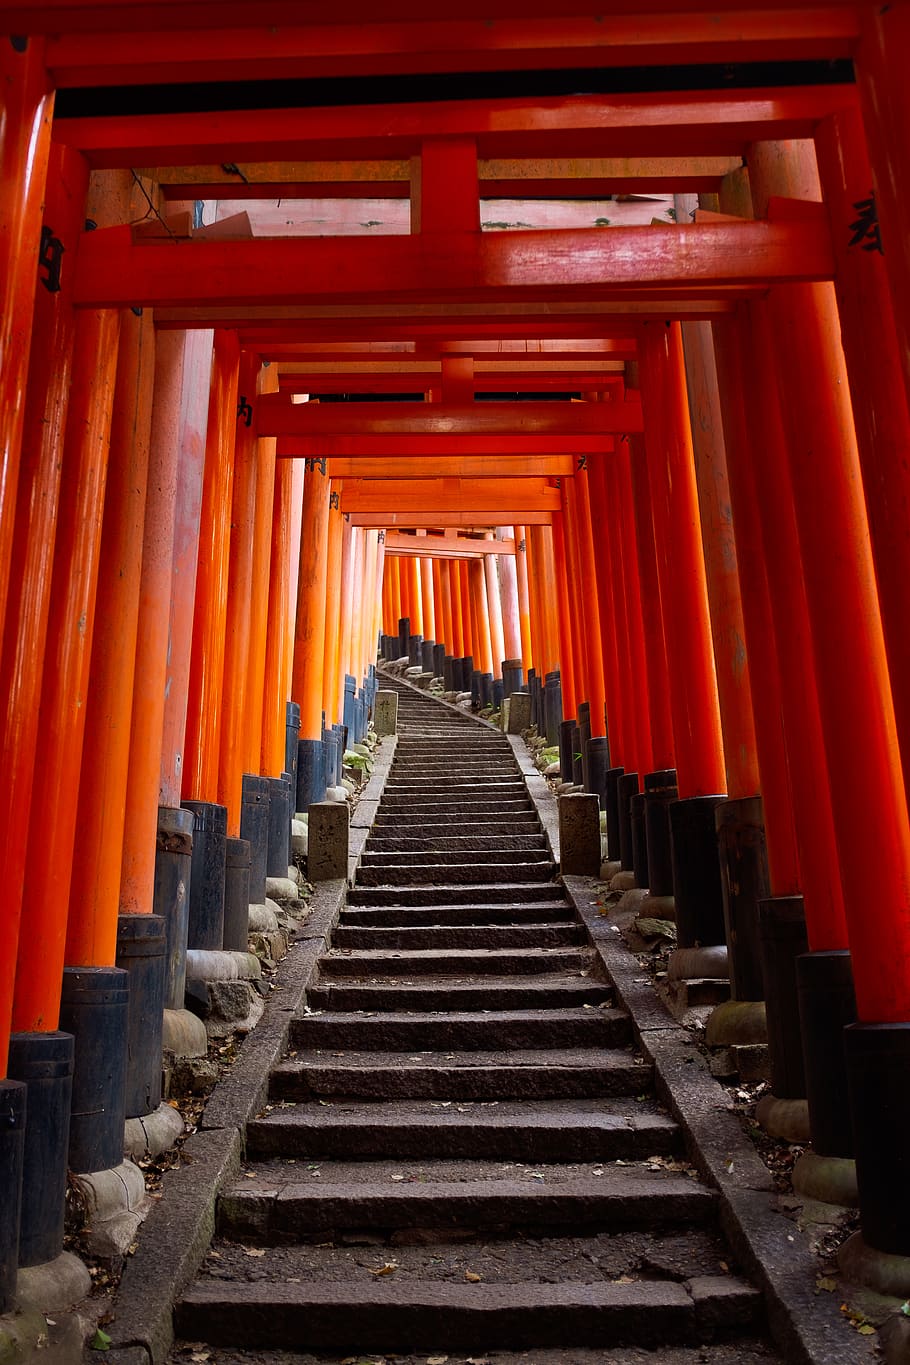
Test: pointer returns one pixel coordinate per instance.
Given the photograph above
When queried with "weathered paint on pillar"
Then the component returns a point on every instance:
(731, 663)
(333, 671)
(880, 410)
(567, 673)
(54, 814)
(203, 723)
(466, 609)
(590, 586)
(614, 647)
(494, 611)
(508, 596)
(458, 609)
(661, 728)
(427, 598)
(415, 598)
(350, 537)
(484, 656)
(194, 404)
(26, 110)
(232, 746)
(680, 563)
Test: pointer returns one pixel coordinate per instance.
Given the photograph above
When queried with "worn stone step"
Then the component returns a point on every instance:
(516, 824)
(410, 874)
(495, 936)
(546, 991)
(384, 841)
(465, 1317)
(496, 784)
(539, 912)
(276, 1205)
(549, 1130)
(460, 962)
(456, 857)
(419, 807)
(403, 1031)
(518, 1074)
(497, 765)
(495, 893)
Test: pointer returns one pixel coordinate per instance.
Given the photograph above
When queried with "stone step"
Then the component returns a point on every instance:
(516, 824)
(406, 874)
(521, 1074)
(383, 841)
(550, 1130)
(498, 893)
(407, 1031)
(457, 857)
(417, 807)
(384, 1317)
(497, 782)
(547, 991)
(495, 936)
(276, 1205)
(541, 912)
(460, 962)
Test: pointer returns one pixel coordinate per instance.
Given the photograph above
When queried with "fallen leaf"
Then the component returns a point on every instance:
(100, 1341)
(396, 1177)
(254, 1251)
(624, 1279)
(472, 1277)
(437, 1360)
(388, 1268)
(866, 1329)
(825, 1282)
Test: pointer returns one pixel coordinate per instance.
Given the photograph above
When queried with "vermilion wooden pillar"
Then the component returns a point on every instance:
(535, 612)
(309, 644)
(567, 662)
(350, 538)
(458, 609)
(494, 613)
(370, 579)
(332, 664)
(232, 744)
(680, 563)
(721, 570)
(545, 585)
(277, 681)
(576, 607)
(194, 404)
(881, 73)
(767, 700)
(203, 722)
(427, 598)
(508, 595)
(624, 531)
(395, 593)
(531, 659)
(29, 606)
(26, 110)
(55, 815)
(662, 746)
(415, 599)
(590, 587)
(484, 650)
(259, 587)
(872, 353)
(623, 697)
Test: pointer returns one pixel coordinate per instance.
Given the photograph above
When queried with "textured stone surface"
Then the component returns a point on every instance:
(327, 852)
(579, 835)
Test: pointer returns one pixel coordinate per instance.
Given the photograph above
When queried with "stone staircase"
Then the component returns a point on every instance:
(462, 1152)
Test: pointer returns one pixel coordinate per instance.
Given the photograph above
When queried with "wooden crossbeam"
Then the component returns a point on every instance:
(276, 415)
(115, 271)
(444, 547)
(684, 124)
(451, 466)
(469, 521)
(400, 379)
(435, 497)
(487, 354)
(444, 444)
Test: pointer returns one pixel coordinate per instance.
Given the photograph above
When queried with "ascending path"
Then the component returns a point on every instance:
(455, 1159)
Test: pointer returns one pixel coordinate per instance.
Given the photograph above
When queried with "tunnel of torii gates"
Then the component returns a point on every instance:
(632, 434)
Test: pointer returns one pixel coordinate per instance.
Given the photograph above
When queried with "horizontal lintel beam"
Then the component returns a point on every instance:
(436, 497)
(444, 547)
(424, 447)
(276, 415)
(452, 466)
(468, 521)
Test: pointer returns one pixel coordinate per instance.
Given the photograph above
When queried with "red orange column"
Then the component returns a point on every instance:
(309, 635)
(259, 587)
(524, 598)
(274, 707)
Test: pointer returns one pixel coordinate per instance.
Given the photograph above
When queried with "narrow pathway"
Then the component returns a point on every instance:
(462, 1153)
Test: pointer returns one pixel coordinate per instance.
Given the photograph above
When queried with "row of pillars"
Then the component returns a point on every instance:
(163, 584)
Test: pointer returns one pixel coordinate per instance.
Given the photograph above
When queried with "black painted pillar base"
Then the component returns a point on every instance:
(552, 707)
(44, 1064)
(427, 656)
(333, 757)
(205, 923)
(598, 750)
(660, 791)
(414, 647)
(744, 882)
(348, 707)
(498, 693)
(476, 677)
(696, 872)
(448, 673)
(584, 735)
(12, 1149)
(404, 635)
(237, 895)
(439, 657)
(141, 952)
(566, 765)
(878, 1071)
(512, 676)
(611, 779)
(827, 1005)
(311, 782)
(486, 689)
(626, 788)
(639, 839)
(276, 864)
(171, 896)
(292, 734)
(94, 1008)
(782, 930)
(254, 826)
(577, 768)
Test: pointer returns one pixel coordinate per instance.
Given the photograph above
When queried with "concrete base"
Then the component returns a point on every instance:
(152, 1134)
(211, 964)
(787, 1119)
(338, 795)
(609, 869)
(827, 1179)
(894, 1339)
(263, 919)
(115, 1204)
(298, 837)
(283, 890)
(658, 907)
(689, 964)
(623, 881)
(222, 988)
(53, 1286)
(879, 1270)
(739, 1022)
(184, 1034)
